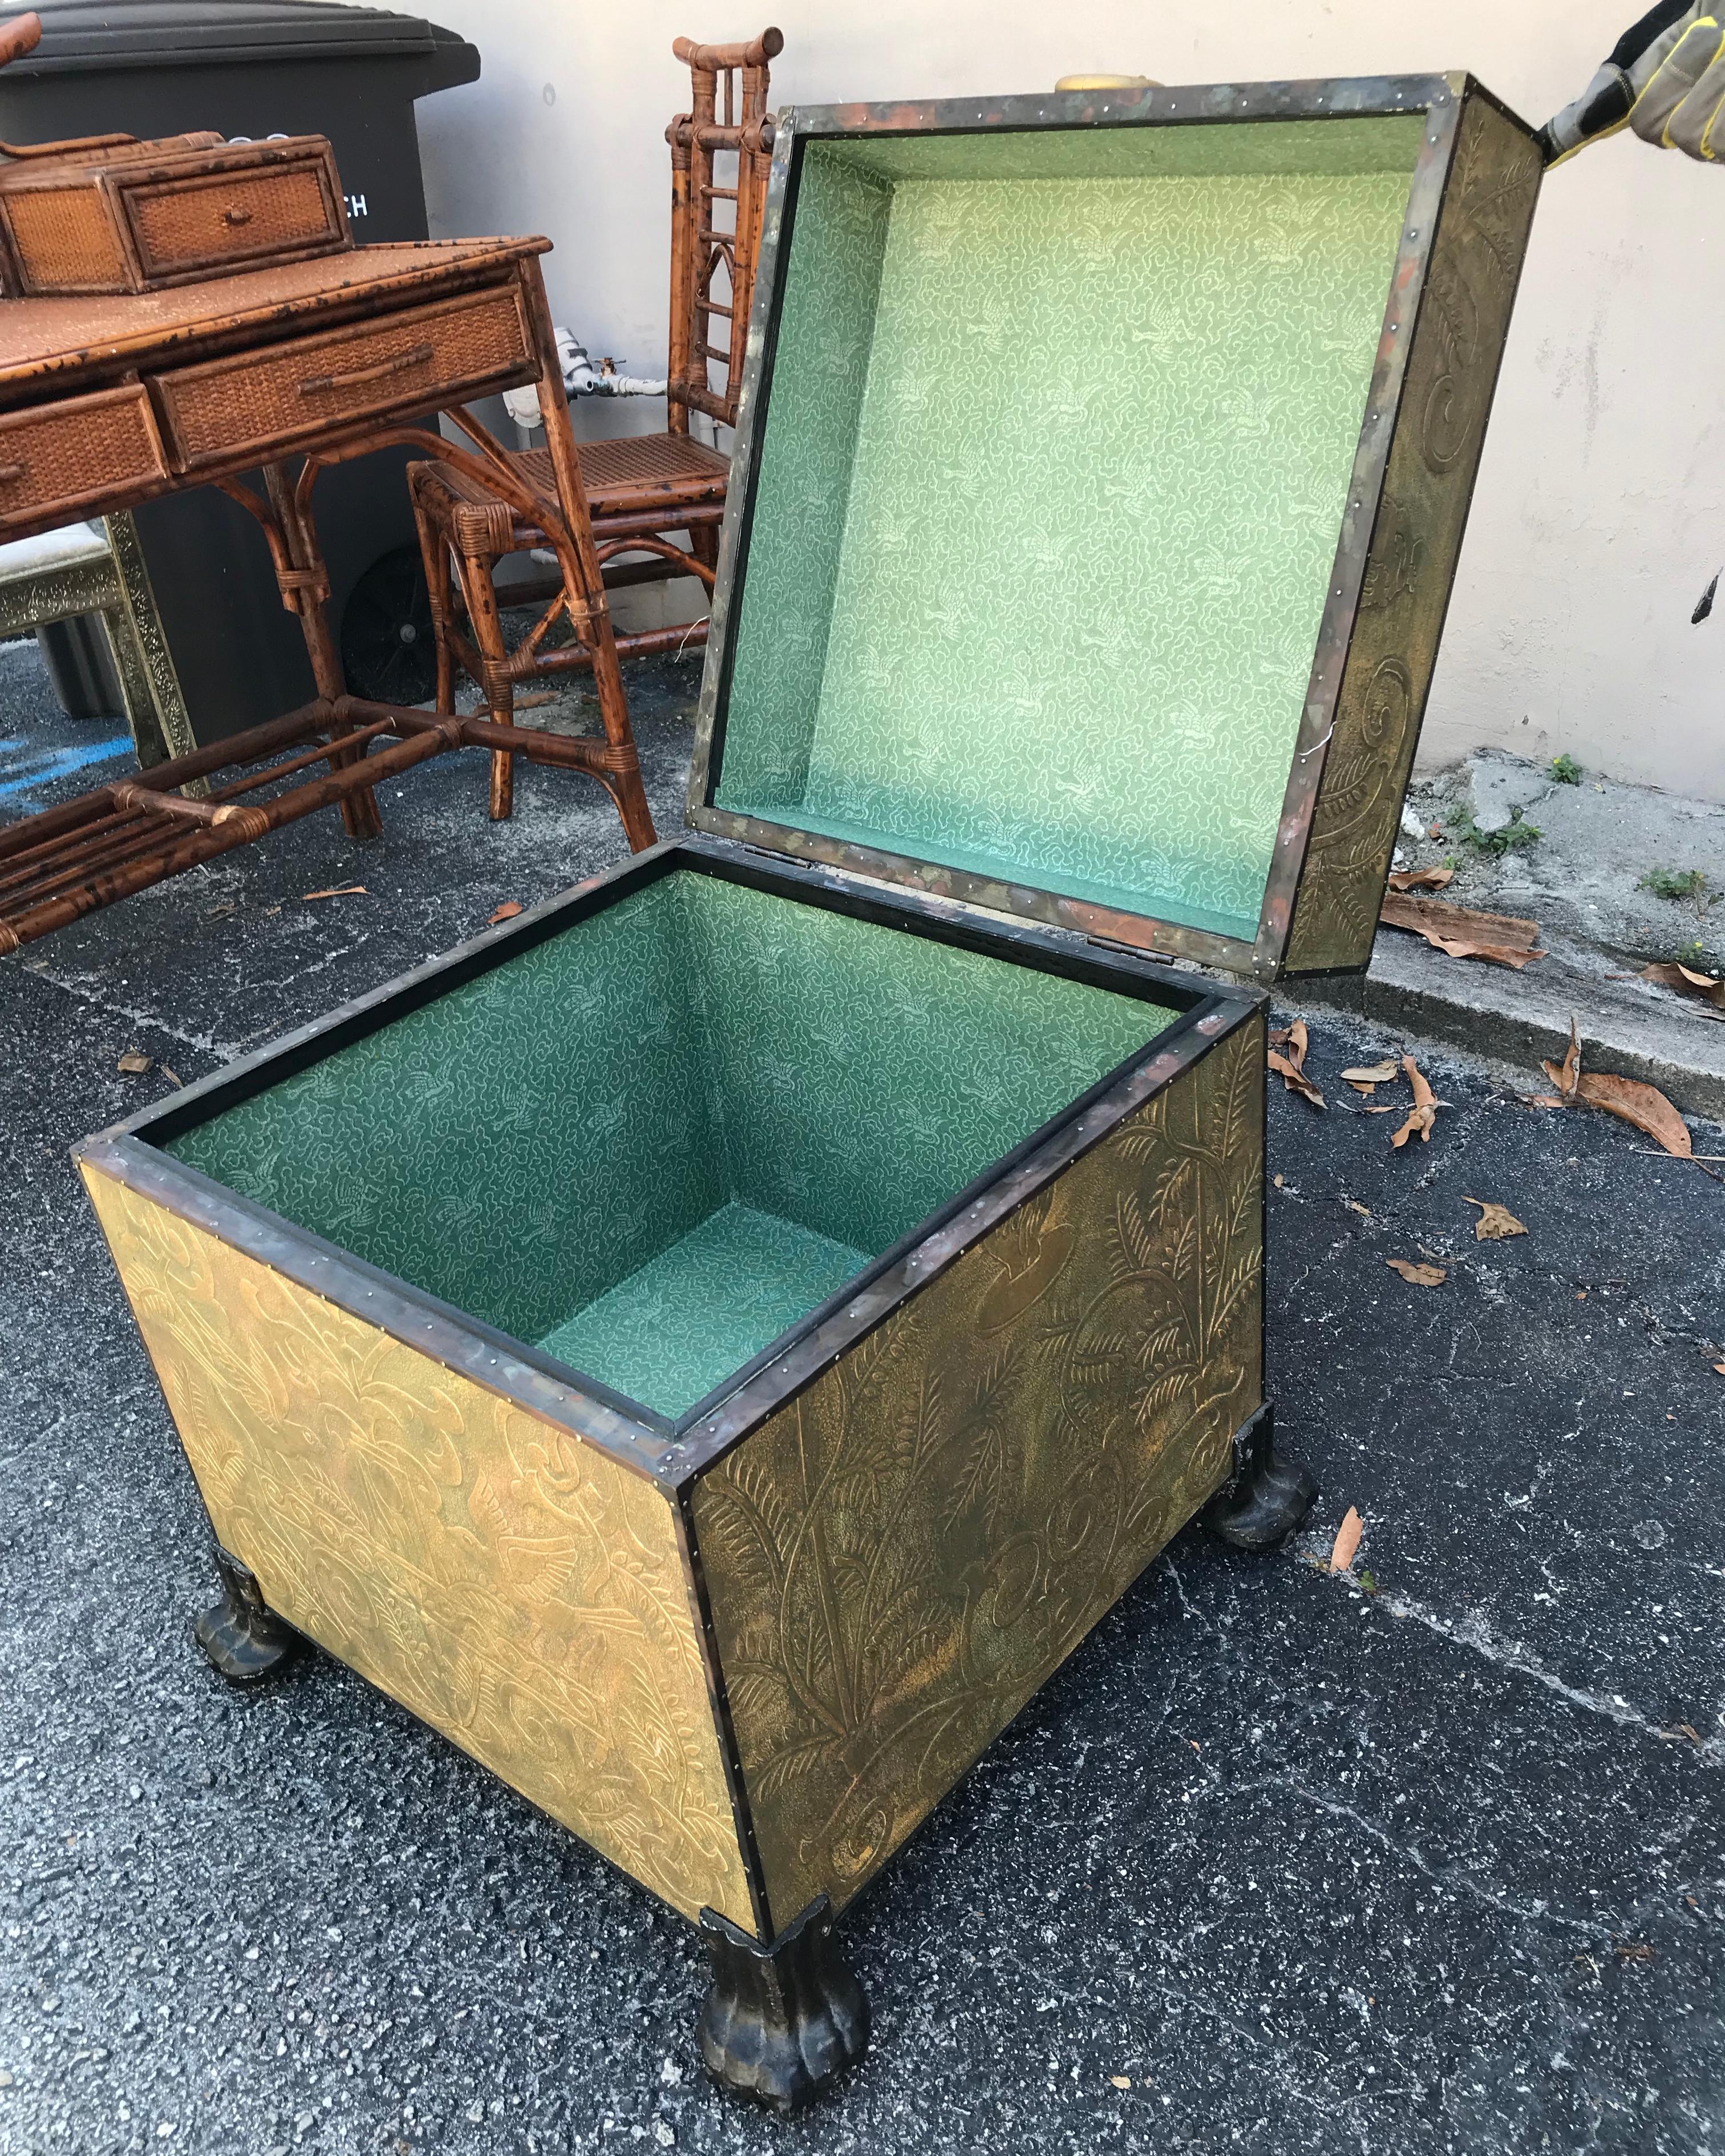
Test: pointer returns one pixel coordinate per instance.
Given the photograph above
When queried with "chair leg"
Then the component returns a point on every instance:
(582, 574)
(434, 553)
(480, 594)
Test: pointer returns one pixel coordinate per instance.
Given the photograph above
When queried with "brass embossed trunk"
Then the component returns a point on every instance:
(715, 1346)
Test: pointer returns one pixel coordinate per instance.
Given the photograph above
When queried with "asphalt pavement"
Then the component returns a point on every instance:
(1426, 1857)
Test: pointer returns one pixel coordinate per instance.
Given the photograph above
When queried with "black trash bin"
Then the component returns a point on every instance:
(252, 68)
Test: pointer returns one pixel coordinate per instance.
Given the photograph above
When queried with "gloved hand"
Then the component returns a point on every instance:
(1665, 79)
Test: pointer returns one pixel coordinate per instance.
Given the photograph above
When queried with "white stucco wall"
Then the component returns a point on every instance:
(1600, 512)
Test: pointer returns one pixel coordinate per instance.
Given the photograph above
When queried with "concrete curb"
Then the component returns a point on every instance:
(1517, 1020)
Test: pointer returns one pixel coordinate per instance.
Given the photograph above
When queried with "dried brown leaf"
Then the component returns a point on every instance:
(341, 890)
(1354, 1205)
(1463, 922)
(1686, 982)
(1422, 879)
(1494, 954)
(1505, 939)
(1120, 2080)
(1372, 1073)
(1644, 1106)
(1361, 1088)
(1347, 1543)
(507, 912)
(1496, 1224)
(535, 702)
(134, 1063)
(1564, 1075)
(1425, 1108)
(1418, 1276)
(173, 1077)
(1295, 1079)
(1720, 1367)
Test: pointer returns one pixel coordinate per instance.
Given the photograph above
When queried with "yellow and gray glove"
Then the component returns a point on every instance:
(1667, 80)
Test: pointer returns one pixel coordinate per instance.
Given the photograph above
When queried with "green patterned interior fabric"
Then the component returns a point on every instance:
(652, 1141)
(1054, 466)
(673, 1330)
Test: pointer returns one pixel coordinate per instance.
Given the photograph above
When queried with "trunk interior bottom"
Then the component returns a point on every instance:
(673, 1330)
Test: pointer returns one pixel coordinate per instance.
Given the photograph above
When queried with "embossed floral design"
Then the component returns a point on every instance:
(902, 1557)
(1452, 369)
(509, 1583)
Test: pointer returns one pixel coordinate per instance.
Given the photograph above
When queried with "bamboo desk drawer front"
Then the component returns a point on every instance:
(727, 1486)
(69, 457)
(187, 230)
(214, 378)
(136, 216)
(440, 355)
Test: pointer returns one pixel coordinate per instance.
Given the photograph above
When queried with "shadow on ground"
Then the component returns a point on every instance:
(1276, 1862)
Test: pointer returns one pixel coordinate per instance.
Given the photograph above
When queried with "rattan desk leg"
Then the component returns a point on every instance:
(435, 556)
(480, 594)
(591, 615)
(305, 581)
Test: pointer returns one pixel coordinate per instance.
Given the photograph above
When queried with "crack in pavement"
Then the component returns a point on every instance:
(206, 1043)
(1536, 1913)
(1471, 1631)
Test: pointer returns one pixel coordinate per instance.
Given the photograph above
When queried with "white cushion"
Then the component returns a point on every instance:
(62, 549)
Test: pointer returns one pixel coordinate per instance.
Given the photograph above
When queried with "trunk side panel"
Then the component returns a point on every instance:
(507, 1583)
(1416, 541)
(903, 1555)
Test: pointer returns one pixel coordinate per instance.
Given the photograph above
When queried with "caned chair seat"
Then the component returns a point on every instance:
(640, 471)
(656, 499)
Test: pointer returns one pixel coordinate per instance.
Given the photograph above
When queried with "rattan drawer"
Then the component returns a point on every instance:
(57, 462)
(141, 216)
(184, 229)
(419, 361)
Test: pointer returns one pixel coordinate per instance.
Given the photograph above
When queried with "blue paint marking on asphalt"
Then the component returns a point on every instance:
(42, 768)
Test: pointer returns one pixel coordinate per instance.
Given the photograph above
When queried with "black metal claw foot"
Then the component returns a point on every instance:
(781, 2022)
(243, 1639)
(1269, 1495)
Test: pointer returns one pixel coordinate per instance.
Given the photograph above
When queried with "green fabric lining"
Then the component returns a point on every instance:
(1080, 448)
(1296, 149)
(672, 1331)
(997, 869)
(529, 1144)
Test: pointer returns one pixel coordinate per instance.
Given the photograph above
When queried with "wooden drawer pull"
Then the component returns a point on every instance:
(320, 385)
(236, 216)
(8, 472)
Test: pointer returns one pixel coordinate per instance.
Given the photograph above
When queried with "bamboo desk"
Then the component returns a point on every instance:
(106, 402)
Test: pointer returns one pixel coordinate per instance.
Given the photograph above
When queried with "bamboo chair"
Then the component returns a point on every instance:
(658, 495)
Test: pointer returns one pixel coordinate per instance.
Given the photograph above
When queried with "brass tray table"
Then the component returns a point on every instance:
(715, 1346)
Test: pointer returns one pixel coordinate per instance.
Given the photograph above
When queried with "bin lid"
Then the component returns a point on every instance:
(1100, 477)
(113, 35)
